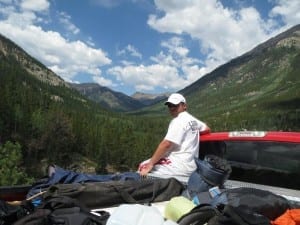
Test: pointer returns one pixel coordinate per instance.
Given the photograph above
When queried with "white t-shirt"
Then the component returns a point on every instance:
(184, 132)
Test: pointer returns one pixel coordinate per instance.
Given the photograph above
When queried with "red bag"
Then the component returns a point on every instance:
(290, 217)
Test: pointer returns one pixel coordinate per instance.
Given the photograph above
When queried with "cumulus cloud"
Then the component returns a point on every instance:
(289, 10)
(222, 32)
(103, 82)
(131, 50)
(66, 58)
(146, 78)
(35, 5)
(171, 69)
(65, 20)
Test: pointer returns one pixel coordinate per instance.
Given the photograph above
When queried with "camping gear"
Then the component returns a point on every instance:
(238, 216)
(63, 210)
(199, 215)
(211, 172)
(58, 175)
(11, 213)
(112, 193)
(255, 200)
(289, 217)
(236, 206)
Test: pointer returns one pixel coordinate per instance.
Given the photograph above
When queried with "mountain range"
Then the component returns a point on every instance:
(117, 101)
(248, 81)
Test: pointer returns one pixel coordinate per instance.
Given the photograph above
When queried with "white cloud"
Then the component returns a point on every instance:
(103, 82)
(222, 33)
(147, 78)
(66, 58)
(35, 5)
(172, 69)
(289, 10)
(175, 46)
(131, 50)
(62, 56)
(14, 18)
(65, 19)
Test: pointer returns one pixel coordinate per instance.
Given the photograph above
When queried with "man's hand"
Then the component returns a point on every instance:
(145, 169)
(158, 155)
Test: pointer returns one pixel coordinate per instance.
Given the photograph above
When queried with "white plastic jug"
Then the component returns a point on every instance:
(136, 214)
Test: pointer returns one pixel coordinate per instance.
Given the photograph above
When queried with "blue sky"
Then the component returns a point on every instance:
(150, 46)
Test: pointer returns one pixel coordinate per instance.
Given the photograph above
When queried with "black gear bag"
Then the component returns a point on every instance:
(112, 193)
(63, 210)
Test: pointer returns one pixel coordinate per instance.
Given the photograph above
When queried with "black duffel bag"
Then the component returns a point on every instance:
(112, 193)
(254, 200)
(10, 213)
(63, 210)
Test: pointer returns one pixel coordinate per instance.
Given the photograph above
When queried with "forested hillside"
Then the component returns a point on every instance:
(55, 124)
(258, 90)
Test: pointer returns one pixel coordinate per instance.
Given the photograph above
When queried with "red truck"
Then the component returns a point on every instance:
(265, 160)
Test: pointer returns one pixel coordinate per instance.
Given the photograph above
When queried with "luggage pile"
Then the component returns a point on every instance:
(67, 198)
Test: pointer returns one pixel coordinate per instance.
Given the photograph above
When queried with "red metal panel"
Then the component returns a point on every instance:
(293, 137)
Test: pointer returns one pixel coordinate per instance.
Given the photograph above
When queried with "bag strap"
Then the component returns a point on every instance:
(58, 202)
(128, 198)
(39, 216)
(199, 215)
(125, 195)
(238, 216)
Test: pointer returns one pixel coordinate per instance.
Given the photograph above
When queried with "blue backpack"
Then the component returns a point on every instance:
(212, 171)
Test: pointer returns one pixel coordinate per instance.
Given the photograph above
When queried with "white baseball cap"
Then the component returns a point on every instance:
(175, 99)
